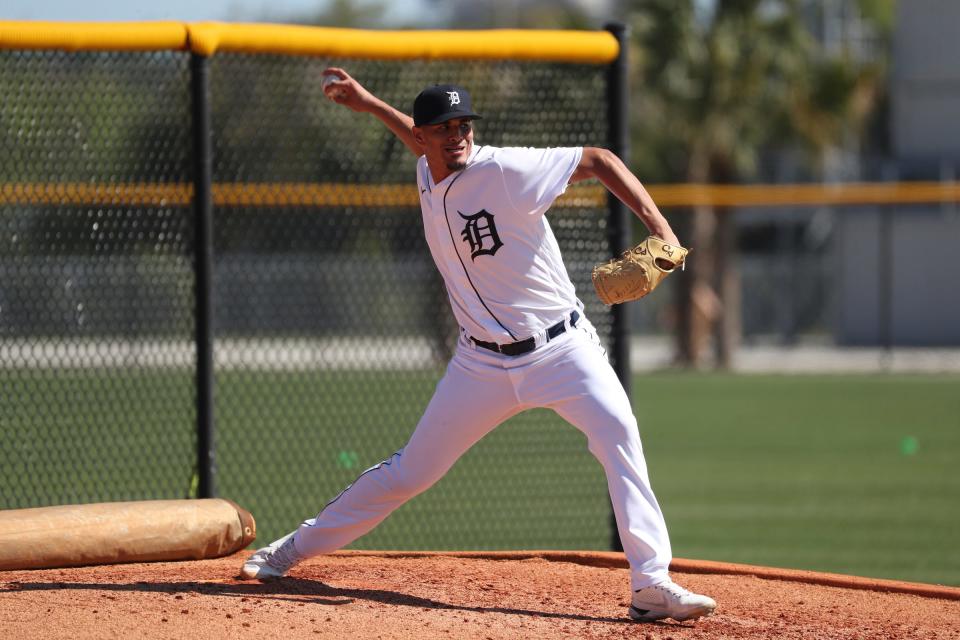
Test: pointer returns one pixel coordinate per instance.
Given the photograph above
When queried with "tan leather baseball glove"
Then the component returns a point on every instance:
(638, 271)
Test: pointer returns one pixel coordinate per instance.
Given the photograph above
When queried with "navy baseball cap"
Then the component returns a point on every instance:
(440, 103)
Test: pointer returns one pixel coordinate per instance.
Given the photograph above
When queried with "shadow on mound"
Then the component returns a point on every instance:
(300, 591)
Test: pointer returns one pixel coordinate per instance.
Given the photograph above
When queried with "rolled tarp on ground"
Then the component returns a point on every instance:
(115, 532)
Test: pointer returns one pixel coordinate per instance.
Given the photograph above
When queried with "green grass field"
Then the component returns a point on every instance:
(852, 474)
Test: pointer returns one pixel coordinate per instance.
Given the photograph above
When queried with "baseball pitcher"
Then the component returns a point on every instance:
(524, 339)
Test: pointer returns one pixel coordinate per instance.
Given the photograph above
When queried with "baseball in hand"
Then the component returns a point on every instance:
(330, 91)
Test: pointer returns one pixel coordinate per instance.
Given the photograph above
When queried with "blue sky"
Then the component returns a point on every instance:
(184, 10)
(410, 13)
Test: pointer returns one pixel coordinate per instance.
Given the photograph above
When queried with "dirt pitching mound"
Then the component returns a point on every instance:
(477, 596)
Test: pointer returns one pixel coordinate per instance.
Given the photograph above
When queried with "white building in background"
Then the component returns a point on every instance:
(926, 87)
(899, 272)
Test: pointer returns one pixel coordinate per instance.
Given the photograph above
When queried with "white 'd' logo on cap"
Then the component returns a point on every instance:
(454, 97)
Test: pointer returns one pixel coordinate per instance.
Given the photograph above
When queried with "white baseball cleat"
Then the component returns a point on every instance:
(272, 561)
(669, 600)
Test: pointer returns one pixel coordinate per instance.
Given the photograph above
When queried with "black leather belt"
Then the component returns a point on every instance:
(526, 346)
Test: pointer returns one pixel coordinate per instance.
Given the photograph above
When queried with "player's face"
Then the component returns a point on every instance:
(448, 143)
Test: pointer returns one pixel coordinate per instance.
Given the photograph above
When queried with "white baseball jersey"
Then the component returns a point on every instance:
(487, 233)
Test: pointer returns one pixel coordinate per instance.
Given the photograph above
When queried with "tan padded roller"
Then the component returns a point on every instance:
(113, 532)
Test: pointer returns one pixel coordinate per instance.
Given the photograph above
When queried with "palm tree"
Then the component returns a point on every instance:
(715, 85)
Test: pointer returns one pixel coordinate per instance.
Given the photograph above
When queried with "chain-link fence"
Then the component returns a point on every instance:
(331, 326)
(96, 284)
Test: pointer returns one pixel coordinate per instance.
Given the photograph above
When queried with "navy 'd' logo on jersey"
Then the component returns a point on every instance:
(481, 232)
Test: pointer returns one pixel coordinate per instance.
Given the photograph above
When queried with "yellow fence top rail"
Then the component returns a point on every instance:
(850, 193)
(293, 194)
(207, 38)
(286, 194)
(93, 36)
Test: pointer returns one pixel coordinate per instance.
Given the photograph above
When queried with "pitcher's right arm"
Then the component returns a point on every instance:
(351, 94)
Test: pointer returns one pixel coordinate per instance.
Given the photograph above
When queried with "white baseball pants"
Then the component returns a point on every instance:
(480, 390)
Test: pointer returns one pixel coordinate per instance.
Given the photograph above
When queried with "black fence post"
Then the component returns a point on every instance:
(203, 267)
(620, 223)
(885, 293)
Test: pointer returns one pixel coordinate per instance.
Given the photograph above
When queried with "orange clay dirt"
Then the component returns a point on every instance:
(451, 595)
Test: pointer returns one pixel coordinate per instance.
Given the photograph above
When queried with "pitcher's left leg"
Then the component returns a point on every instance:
(580, 385)
(585, 390)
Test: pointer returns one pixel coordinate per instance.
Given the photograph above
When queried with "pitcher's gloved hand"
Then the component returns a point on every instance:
(638, 271)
